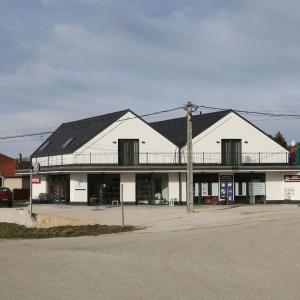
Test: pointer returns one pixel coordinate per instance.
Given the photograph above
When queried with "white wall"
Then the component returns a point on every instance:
(41, 187)
(129, 129)
(13, 183)
(183, 187)
(276, 187)
(174, 186)
(78, 188)
(234, 127)
(129, 187)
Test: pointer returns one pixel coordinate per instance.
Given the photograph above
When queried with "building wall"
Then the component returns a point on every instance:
(41, 187)
(234, 127)
(129, 187)
(174, 186)
(278, 189)
(105, 145)
(183, 187)
(13, 183)
(78, 188)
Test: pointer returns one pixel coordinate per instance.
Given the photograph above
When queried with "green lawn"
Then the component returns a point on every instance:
(15, 231)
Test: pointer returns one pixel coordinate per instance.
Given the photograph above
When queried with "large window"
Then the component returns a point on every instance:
(231, 152)
(206, 188)
(250, 188)
(59, 188)
(152, 189)
(128, 152)
(103, 189)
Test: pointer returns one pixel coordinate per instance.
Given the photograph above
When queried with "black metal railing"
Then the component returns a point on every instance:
(166, 158)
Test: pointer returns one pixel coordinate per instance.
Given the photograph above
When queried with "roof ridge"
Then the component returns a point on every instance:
(95, 117)
(197, 115)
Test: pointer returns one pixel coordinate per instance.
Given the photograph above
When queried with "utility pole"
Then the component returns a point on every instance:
(189, 172)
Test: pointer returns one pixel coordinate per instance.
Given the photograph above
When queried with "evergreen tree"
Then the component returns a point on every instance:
(279, 138)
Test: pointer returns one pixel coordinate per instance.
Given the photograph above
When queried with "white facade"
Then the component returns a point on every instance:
(233, 126)
(257, 148)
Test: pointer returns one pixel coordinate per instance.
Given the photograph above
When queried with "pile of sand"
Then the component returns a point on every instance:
(47, 221)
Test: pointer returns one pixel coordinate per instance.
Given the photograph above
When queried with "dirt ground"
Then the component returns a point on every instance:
(248, 252)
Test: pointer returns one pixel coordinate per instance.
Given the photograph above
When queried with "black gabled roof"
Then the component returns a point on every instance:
(81, 131)
(175, 129)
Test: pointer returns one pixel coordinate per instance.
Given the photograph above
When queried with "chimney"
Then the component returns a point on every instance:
(20, 157)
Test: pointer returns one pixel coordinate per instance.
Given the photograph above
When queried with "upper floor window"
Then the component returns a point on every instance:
(231, 152)
(128, 152)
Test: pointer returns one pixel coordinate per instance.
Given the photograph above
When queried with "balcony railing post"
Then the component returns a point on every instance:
(90, 158)
(259, 157)
(203, 158)
(147, 158)
(48, 160)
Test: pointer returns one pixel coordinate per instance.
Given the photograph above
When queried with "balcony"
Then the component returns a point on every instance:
(167, 158)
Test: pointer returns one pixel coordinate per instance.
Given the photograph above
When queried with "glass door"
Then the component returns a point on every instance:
(128, 152)
(231, 152)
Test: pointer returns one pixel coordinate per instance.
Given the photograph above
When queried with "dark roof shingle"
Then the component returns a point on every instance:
(81, 131)
(175, 129)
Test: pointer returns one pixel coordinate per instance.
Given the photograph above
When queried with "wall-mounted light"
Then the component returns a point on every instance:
(114, 142)
(218, 142)
(246, 142)
(143, 142)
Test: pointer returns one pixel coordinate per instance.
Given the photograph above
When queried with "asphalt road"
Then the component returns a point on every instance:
(257, 259)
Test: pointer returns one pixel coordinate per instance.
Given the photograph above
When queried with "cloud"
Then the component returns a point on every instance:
(64, 60)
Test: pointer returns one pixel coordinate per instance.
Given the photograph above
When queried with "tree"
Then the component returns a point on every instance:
(279, 138)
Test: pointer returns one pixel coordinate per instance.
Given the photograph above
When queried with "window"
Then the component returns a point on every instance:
(128, 152)
(68, 142)
(44, 145)
(231, 152)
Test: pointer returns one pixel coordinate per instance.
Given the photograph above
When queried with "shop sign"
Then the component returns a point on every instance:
(292, 178)
(36, 180)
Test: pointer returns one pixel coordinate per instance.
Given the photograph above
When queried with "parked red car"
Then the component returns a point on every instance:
(6, 196)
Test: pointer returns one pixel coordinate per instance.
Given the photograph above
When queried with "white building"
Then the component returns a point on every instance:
(86, 162)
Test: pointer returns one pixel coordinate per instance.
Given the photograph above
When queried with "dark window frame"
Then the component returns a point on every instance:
(133, 156)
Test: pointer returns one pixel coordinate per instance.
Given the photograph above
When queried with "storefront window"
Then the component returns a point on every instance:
(206, 188)
(152, 189)
(59, 188)
(250, 188)
(103, 189)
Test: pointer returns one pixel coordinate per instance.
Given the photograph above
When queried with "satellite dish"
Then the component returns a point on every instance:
(293, 143)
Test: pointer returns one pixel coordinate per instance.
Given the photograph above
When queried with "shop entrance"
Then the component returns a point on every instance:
(103, 189)
(250, 188)
(226, 189)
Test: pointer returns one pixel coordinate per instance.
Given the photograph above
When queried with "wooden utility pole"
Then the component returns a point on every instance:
(189, 171)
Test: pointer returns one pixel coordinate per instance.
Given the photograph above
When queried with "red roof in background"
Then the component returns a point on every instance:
(8, 165)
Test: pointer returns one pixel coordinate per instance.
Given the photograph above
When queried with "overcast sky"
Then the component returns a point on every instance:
(62, 60)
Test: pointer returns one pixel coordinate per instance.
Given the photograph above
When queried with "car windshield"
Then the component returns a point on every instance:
(4, 189)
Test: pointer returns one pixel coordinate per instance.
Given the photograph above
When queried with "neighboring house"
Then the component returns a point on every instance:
(8, 172)
(86, 161)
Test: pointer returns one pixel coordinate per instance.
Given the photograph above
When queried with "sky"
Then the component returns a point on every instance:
(63, 60)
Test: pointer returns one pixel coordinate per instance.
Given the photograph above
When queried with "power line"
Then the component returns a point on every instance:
(283, 116)
(257, 113)
(24, 135)
(121, 120)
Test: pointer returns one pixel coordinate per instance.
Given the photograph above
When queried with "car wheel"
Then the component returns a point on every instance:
(10, 204)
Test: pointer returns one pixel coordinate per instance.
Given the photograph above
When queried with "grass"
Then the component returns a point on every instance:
(15, 231)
